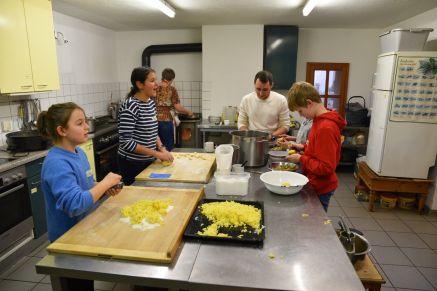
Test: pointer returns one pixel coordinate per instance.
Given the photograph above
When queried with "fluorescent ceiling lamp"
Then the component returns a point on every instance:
(309, 6)
(164, 7)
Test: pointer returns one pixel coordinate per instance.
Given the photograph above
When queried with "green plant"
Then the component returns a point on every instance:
(428, 67)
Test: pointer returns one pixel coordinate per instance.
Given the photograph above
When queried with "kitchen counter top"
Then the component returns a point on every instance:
(300, 252)
(19, 158)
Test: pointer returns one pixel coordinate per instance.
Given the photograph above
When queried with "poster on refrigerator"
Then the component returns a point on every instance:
(415, 92)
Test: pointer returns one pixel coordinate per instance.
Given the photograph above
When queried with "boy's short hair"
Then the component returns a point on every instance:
(168, 74)
(299, 93)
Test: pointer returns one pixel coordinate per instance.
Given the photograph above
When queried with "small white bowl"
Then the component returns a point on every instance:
(275, 182)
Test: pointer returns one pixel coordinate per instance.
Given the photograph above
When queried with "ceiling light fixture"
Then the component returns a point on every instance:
(164, 7)
(309, 6)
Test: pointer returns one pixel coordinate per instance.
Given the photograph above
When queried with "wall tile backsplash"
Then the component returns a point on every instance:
(93, 98)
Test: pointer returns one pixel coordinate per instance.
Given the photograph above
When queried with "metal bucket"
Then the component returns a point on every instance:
(253, 147)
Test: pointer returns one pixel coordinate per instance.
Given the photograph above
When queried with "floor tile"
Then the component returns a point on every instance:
(421, 257)
(348, 201)
(409, 215)
(27, 272)
(356, 212)
(46, 280)
(335, 211)
(378, 238)
(11, 269)
(422, 227)
(9, 285)
(381, 271)
(430, 274)
(42, 287)
(431, 217)
(364, 224)
(333, 202)
(393, 225)
(384, 288)
(407, 239)
(406, 277)
(390, 256)
(40, 251)
(383, 214)
(102, 285)
(430, 239)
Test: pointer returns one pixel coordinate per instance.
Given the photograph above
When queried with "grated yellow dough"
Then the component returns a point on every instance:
(150, 210)
(230, 214)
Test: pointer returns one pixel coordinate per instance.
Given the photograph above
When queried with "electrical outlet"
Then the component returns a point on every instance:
(7, 125)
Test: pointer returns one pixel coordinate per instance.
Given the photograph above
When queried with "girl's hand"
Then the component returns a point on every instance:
(294, 158)
(297, 146)
(113, 191)
(283, 144)
(286, 137)
(110, 181)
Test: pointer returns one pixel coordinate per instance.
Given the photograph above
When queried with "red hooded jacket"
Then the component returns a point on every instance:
(322, 153)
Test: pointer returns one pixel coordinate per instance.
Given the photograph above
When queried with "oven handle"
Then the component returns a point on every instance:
(107, 149)
(11, 190)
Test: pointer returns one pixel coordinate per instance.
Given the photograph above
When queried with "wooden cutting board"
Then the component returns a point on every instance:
(186, 167)
(102, 233)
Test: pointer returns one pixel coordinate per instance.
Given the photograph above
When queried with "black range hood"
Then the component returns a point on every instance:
(168, 48)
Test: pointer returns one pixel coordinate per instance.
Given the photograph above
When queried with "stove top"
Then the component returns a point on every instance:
(103, 121)
(6, 160)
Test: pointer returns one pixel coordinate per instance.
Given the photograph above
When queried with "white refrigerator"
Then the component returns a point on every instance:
(403, 128)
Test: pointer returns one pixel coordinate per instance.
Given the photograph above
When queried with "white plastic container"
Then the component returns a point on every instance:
(223, 155)
(235, 184)
(404, 39)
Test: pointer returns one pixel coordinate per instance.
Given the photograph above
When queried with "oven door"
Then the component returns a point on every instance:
(16, 213)
(106, 161)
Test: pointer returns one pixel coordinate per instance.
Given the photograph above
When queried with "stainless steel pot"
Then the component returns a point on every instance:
(91, 124)
(253, 145)
(113, 110)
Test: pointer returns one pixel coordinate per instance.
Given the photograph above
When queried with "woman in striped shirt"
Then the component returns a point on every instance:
(139, 143)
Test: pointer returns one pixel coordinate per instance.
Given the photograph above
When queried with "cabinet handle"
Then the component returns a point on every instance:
(42, 85)
(11, 190)
(35, 183)
(26, 86)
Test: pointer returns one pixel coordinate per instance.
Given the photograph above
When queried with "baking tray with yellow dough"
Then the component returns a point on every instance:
(186, 167)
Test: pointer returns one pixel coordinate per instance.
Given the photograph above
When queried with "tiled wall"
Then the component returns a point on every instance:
(93, 98)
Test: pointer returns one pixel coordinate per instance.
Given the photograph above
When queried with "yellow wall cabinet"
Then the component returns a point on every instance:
(28, 61)
(87, 147)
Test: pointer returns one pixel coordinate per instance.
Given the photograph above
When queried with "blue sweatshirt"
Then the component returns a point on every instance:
(66, 180)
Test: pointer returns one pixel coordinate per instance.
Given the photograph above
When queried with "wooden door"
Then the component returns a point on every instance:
(331, 80)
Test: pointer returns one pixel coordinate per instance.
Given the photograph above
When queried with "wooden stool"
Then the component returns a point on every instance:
(368, 274)
(374, 183)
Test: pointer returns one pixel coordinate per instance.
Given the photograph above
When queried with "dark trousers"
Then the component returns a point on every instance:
(166, 134)
(130, 169)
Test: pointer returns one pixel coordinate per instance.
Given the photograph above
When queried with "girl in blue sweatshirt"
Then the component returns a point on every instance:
(67, 182)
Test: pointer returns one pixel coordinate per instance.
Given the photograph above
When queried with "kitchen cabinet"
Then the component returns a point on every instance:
(33, 172)
(354, 144)
(28, 61)
(87, 147)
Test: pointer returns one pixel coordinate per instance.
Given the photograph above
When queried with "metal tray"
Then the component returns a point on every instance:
(198, 219)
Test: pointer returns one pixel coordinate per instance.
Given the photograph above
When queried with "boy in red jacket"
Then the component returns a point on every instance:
(322, 151)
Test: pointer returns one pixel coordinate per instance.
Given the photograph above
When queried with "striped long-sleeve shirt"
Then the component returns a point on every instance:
(137, 125)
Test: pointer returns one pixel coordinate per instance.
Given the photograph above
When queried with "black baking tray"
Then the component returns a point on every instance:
(198, 221)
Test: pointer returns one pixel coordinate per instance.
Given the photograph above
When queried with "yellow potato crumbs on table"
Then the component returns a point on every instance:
(230, 214)
(151, 210)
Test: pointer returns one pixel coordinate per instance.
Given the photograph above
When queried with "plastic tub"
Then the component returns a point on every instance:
(236, 184)
(223, 155)
(404, 39)
(406, 202)
(388, 200)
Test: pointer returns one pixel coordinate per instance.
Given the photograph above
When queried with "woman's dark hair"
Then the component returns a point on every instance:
(264, 77)
(168, 74)
(57, 115)
(138, 74)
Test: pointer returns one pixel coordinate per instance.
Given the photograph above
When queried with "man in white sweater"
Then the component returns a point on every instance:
(264, 110)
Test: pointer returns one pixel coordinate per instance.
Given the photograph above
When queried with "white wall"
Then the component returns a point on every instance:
(232, 55)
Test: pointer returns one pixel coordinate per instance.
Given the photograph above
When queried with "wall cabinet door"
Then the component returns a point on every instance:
(87, 147)
(15, 68)
(28, 60)
(42, 47)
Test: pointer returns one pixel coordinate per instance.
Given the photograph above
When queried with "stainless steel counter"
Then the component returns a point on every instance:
(300, 252)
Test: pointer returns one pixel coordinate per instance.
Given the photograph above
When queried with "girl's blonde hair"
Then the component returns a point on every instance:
(299, 93)
(57, 115)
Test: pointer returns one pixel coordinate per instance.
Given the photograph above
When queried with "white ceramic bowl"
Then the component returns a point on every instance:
(275, 180)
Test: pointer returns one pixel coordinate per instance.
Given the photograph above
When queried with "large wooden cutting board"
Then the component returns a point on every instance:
(102, 233)
(186, 167)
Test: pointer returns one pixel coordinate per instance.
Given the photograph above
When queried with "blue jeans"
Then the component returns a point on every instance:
(324, 199)
(166, 134)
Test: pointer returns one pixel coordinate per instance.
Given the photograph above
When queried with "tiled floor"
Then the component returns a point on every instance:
(404, 246)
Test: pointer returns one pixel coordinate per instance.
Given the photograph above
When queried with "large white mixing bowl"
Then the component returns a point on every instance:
(284, 183)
